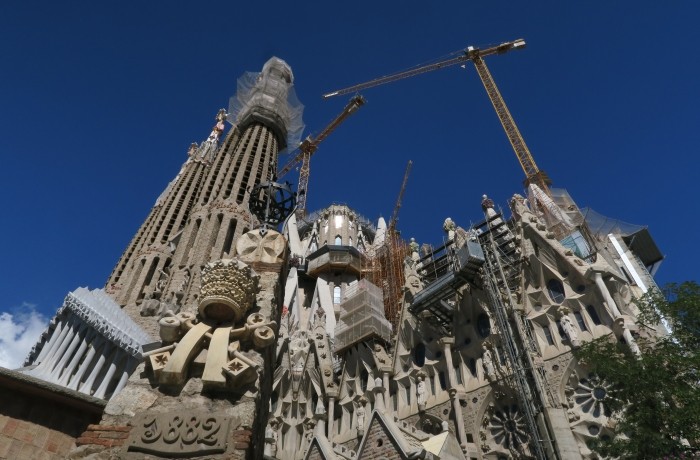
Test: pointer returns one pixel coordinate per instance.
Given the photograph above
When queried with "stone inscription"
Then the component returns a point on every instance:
(180, 434)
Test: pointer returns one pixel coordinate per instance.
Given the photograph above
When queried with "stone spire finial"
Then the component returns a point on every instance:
(193, 149)
(449, 226)
(487, 205)
(378, 390)
(320, 416)
(486, 202)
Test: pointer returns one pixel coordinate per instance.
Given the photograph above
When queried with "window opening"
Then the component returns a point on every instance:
(419, 355)
(336, 295)
(593, 314)
(556, 290)
(548, 335)
(483, 325)
(580, 321)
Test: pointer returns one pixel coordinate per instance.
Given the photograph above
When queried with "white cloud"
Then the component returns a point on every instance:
(19, 332)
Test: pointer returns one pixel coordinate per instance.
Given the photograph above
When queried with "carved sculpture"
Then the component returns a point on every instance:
(360, 412)
(228, 290)
(568, 327)
(415, 256)
(267, 248)
(187, 434)
(420, 392)
(271, 440)
(518, 204)
(488, 363)
(449, 226)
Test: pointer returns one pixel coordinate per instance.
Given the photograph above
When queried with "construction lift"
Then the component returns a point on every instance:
(309, 146)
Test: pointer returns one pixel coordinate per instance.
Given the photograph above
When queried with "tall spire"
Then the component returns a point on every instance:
(157, 238)
(205, 209)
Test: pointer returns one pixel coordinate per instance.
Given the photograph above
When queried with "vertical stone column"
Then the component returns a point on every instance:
(447, 343)
(619, 319)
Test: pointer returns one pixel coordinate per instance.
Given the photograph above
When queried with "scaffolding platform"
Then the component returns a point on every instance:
(432, 302)
(361, 317)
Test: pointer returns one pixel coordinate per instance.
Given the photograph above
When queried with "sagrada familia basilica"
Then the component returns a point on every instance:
(235, 327)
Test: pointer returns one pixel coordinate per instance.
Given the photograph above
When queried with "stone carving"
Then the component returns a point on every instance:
(271, 440)
(180, 433)
(254, 247)
(486, 203)
(488, 363)
(590, 395)
(360, 412)
(228, 290)
(507, 427)
(415, 248)
(150, 306)
(101, 313)
(568, 326)
(449, 226)
(224, 357)
(420, 391)
(185, 276)
(518, 204)
(158, 362)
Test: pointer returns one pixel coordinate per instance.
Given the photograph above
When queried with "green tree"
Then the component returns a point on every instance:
(654, 398)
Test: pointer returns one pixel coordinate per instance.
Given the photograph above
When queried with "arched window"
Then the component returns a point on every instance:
(548, 335)
(593, 314)
(273, 401)
(579, 319)
(483, 325)
(419, 355)
(338, 240)
(350, 241)
(472, 366)
(556, 290)
(336, 295)
(364, 378)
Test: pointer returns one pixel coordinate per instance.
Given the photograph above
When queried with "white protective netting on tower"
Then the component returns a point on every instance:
(269, 95)
(361, 316)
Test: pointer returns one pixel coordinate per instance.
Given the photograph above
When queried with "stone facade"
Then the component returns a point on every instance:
(275, 345)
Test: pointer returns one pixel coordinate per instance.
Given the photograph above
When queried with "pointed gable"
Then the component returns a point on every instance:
(385, 440)
(444, 446)
(320, 449)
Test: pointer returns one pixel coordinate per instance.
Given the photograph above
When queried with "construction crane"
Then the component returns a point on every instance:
(308, 147)
(532, 173)
(395, 214)
(389, 261)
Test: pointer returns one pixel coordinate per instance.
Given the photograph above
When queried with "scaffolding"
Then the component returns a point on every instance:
(501, 278)
(361, 316)
(383, 267)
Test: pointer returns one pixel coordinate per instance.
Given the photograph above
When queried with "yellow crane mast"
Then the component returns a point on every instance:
(309, 146)
(533, 174)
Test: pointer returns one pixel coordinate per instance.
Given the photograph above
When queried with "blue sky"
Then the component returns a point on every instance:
(100, 101)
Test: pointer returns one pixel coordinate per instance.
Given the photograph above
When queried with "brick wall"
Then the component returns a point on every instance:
(379, 445)
(104, 435)
(26, 440)
(38, 420)
(315, 453)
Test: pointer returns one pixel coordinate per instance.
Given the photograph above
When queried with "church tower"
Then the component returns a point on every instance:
(204, 209)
